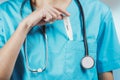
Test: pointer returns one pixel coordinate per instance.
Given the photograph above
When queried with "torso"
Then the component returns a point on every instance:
(64, 55)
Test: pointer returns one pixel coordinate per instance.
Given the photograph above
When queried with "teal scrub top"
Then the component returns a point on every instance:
(64, 56)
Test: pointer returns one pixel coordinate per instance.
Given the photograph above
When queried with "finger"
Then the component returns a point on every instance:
(54, 16)
(48, 17)
(63, 11)
(55, 11)
(60, 17)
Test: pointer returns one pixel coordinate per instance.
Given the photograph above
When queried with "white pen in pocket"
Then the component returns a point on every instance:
(68, 27)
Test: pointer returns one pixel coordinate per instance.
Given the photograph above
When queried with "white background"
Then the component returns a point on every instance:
(115, 6)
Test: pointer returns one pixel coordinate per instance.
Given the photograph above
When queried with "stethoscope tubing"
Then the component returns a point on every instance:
(84, 28)
(46, 43)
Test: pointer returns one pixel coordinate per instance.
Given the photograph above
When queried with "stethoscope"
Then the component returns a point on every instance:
(46, 53)
(87, 61)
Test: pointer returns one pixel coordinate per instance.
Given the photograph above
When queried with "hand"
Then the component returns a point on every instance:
(44, 14)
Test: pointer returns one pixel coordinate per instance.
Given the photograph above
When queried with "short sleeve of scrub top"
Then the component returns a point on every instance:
(2, 39)
(108, 50)
(64, 56)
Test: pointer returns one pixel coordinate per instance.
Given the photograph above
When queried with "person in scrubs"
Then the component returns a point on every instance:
(22, 20)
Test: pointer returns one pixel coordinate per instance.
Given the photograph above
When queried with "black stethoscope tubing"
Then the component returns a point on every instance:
(84, 29)
(82, 16)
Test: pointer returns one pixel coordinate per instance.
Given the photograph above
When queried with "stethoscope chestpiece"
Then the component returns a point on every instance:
(87, 62)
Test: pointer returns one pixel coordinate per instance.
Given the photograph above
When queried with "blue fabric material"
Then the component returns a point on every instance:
(2, 40)
(64, 55)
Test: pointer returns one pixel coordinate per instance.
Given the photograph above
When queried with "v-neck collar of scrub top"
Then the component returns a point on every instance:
(27, 10)
(64, 58)
(27, 7)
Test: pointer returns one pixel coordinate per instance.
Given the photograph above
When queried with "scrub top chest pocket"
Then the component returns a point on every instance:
(74, 52)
